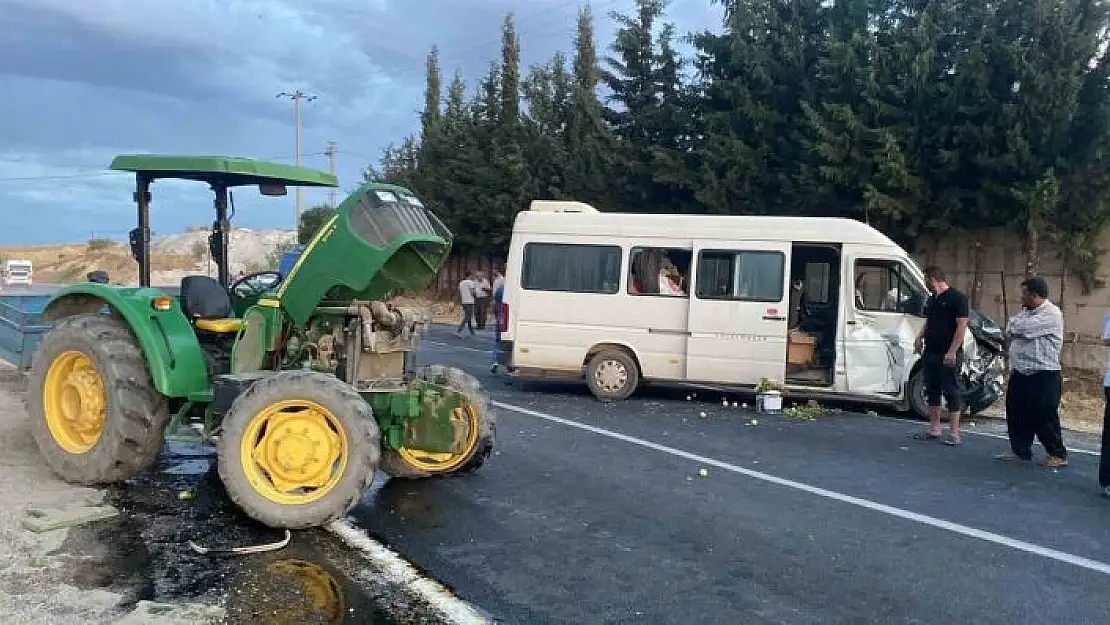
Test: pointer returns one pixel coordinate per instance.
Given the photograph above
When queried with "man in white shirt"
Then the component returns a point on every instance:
(1036, 334)
(466, 298)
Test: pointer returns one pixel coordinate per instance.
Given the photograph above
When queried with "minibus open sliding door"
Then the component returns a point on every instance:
(738, 312)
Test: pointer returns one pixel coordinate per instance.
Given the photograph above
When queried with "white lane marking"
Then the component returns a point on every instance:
(450, 609)
(721, 389)
(963, 530)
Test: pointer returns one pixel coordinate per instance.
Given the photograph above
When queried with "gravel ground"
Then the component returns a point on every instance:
(33, 587)
(37, 587)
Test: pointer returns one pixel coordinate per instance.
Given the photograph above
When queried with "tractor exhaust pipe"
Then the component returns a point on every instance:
(363, 313)
(378, 312)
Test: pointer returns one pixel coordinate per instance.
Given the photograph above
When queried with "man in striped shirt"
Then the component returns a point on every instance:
(1033, 395)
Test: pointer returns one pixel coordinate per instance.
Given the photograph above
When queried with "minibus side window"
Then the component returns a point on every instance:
(659, 271)
(886, 286)
(571, 268)
(754, 276)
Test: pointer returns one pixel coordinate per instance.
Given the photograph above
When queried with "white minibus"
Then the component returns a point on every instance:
(824, 307)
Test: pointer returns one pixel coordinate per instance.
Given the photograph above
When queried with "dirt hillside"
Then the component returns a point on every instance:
(172, 256)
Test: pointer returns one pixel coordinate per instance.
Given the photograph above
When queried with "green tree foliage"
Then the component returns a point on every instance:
(311, 221)
(918, 117)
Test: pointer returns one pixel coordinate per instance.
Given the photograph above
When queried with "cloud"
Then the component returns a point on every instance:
(87, 79)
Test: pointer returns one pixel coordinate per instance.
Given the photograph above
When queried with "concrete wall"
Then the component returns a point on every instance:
(997, 257)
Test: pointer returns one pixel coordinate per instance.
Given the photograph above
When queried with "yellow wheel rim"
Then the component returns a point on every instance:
(294, 452)
(74, 402)
(435, 462)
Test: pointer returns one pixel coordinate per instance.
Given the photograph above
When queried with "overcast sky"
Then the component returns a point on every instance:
(84, 80)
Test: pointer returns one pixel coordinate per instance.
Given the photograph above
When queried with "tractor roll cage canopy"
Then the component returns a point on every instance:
(221, 173)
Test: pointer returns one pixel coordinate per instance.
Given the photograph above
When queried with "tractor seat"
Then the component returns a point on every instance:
(207, 305)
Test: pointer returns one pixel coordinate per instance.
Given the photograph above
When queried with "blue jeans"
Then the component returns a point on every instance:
(496, 330)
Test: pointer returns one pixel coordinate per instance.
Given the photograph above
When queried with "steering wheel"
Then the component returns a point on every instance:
(254, 284)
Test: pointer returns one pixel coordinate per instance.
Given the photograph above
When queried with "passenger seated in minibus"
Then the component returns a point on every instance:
(653, 273)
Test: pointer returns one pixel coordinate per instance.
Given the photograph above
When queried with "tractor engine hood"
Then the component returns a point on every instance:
(381, 239)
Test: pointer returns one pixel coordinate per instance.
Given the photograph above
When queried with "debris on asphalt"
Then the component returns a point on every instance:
(703, 472)
(41, 520)
(872, 413)
(185, 495)
(807, 412)
(263, 548)
(702, 415)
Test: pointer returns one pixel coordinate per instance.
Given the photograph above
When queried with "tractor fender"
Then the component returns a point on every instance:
(167, 340)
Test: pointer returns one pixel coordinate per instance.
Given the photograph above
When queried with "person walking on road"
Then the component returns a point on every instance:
(1033, 394)
(498, 297)
(466, 298)
(481, 299)
(940, 344)
(1104, 457)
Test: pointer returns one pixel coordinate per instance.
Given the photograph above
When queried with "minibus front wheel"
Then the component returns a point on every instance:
(612, 374)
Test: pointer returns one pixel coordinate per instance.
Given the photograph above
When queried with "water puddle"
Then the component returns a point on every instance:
(144, 553)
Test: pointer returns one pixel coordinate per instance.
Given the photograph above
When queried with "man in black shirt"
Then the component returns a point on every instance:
(941, 347)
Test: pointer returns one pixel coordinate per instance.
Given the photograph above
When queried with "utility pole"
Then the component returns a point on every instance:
(330, 150)
(296, 97)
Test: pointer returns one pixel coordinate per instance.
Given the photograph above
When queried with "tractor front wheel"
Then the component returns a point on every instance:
(95, 414)
(298, 449)
(415, 463)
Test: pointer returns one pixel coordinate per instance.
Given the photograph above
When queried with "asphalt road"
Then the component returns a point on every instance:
(593, 513)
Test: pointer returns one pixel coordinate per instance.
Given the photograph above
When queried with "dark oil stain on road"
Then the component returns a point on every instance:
(144, 553)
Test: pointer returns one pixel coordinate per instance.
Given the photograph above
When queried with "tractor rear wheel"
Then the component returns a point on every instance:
(95, 414)
(415, 464)
(298, 449)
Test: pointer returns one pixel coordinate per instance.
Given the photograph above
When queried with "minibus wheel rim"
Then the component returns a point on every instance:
(611, 375)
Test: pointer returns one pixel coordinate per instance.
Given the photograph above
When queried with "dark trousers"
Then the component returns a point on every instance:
(1104, 459)
(468, 318)
(481, 310)
(1033, 410)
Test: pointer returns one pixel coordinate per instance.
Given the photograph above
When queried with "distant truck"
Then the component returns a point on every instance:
(17, 272)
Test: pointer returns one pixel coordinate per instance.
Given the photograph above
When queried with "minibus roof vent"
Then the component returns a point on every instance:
(560, 206)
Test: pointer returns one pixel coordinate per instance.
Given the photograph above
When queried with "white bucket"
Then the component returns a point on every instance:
(770, 401)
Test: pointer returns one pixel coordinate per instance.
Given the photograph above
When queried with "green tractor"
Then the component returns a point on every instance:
(305, 382)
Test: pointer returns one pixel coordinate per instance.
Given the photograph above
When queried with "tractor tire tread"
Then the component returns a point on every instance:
(363, 448)
(397, 467)
(136, 414)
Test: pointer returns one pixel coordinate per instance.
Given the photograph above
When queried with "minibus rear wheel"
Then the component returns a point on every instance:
(612, 374)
